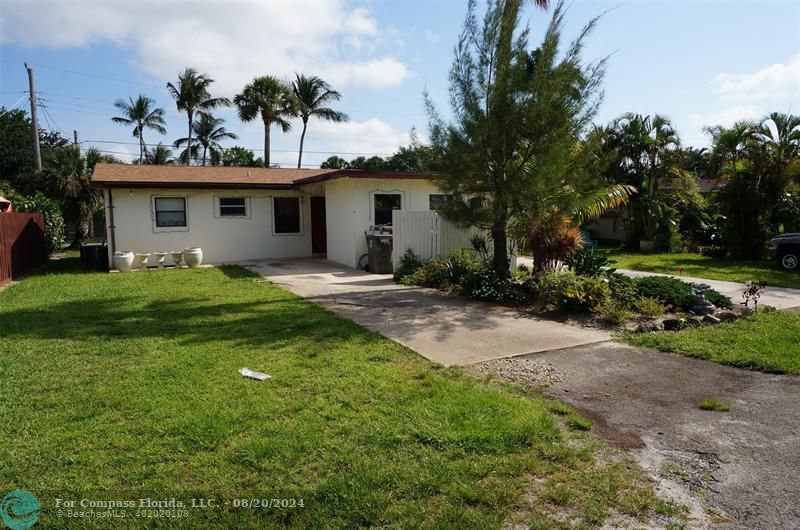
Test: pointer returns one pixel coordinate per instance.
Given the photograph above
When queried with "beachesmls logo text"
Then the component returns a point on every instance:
(20, 510)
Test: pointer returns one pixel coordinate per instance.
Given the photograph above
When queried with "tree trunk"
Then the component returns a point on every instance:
(266, 143)
(189, 145)
(500, 242)
(204, 155)
(302, 138)
(141, 146)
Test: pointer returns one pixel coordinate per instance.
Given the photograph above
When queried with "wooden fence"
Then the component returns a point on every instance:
(22, 244)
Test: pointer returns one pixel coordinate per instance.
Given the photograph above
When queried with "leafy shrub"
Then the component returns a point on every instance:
(588, 261)
(432, 273)
(623, 289)
(668, 237)
(51, 212)
(548, 237)
(718, 299)
(650, 307)
(409, 263)
(667, 290)
(613, 312)
(448, 273)
(484, 284)
(570, 292)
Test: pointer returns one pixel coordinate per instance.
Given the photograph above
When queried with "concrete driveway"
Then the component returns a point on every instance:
(445, 329)
(742, 468)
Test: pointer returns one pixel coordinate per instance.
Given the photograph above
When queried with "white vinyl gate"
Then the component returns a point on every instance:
(426, 233)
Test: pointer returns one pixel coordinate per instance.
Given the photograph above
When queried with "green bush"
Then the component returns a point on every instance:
(667, 290)
(484, 284)
(569, 292)
(51, 212)
(449, 273)
(718, 299)
(650, 307)
(409, 263)
(623, 289)
(588, 261)
(668, 237)
(613, 312)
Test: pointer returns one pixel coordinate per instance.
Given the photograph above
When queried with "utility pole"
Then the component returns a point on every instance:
(37, 152)
(75, 137)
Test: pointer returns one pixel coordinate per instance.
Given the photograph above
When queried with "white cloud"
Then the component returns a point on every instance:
(232, 42)
(777, 81)
(726, 116)
(431, 37)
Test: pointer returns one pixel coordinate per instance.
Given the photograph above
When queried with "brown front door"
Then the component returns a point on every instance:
(319, 238)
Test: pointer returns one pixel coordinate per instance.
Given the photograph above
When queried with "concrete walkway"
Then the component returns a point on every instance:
(445, 329)
(743, 464)
(780, 297)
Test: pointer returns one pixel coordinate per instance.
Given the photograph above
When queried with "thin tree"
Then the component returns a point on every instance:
(511, 106)
(312, 94)
(208, 132)
(272, 100)
(159, 155)
(142, 114)
(192, 96)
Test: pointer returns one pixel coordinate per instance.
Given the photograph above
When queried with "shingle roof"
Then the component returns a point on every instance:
(128, 175)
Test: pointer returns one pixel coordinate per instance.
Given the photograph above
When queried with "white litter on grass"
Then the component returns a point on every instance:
(247, 372)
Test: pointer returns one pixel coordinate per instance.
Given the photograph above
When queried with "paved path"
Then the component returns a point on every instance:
(445, 329)
(780, 297)
(746, 461)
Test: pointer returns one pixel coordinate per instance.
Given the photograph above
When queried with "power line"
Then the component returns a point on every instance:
(258, 150)
(15, 105)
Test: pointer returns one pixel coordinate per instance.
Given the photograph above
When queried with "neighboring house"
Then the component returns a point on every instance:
(240, 213)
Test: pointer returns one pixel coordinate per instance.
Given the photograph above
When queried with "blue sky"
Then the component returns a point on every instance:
(697, 62)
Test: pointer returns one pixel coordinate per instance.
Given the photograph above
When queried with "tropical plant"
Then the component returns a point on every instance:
(549, 237)
(208, 132)
(192, 96)
(142, 114)
(588, 261)
(159, 155)
(335, 162)
(512, 107)
(240, 156)
(270, 99)
(312, 95)
(51, 212)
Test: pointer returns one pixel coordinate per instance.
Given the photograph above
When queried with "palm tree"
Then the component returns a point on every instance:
(142, 114)
(191, 95)
(208, 133)
(159, 155)
(272, 100)
(312, 94)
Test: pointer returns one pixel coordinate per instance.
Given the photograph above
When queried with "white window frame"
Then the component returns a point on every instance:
(159, 229)
(218, 207)
(372, 195)
(300, 214)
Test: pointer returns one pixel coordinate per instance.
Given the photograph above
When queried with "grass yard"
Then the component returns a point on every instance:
(699, 266)
(769, 342)
(124, 386)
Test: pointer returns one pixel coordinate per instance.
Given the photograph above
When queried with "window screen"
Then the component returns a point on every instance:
(435, 201)
(170, 211)
(287, 215)
(384, 204)
(232, 207)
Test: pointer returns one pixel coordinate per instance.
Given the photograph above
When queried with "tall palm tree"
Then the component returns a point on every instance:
(312, 95)
(272, 100)
(208, 132)
(191, 95)
(142, 114)
(159, 155)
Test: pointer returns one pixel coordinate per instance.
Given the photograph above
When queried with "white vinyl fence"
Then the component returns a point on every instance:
(428, 234)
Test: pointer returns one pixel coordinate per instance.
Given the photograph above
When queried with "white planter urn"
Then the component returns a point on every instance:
(143, 258)
(193, 256)
(177, 257)
(160, 257)
(123, 260)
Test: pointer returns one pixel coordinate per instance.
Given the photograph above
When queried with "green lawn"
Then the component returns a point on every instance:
(699, 266)
(124, 386)
(769, 342)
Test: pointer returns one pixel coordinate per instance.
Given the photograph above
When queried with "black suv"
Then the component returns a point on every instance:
(786, 249)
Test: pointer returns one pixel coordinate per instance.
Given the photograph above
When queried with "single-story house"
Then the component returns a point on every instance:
(241, 213)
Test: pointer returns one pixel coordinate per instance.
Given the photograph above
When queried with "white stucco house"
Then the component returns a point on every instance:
(239, 213)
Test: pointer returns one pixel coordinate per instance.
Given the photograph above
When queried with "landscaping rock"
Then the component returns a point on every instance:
(745, 311)
(674, 324)
(695, 322)
(520, 371)
(727, 316)
(711, 319)
(649, 325)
